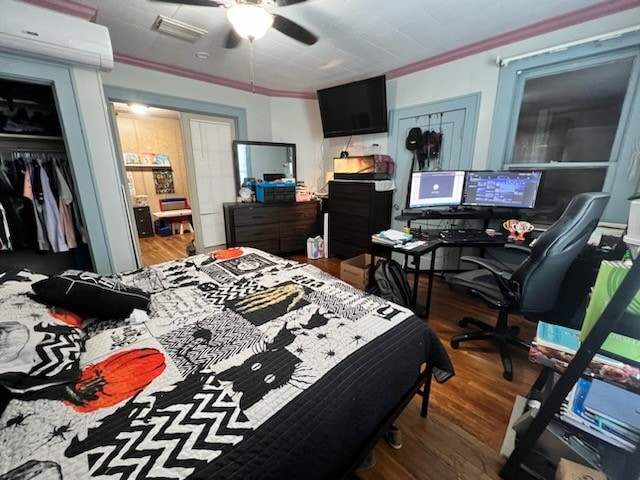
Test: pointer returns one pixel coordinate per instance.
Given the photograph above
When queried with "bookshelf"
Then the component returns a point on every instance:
(616, 463)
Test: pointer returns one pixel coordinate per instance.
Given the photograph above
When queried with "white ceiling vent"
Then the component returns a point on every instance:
(178, 29)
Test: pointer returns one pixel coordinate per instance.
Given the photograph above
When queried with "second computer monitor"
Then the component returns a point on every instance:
(509, 189)
(436, 189)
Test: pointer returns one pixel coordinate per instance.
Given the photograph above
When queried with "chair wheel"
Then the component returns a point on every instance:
(463, 323)
(508, 375)
(454, 344)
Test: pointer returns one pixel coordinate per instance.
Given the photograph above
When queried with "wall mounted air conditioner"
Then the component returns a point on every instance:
(33, 31)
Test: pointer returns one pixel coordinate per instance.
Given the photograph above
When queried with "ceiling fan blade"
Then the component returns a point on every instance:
(293, 30)
(197, 3)
(284, 3)
(233, 39)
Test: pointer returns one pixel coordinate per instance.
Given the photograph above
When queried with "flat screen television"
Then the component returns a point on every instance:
(510, 189)
(436, 189)
(355, 108)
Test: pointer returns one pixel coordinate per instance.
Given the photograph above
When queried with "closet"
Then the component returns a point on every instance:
(41, 222)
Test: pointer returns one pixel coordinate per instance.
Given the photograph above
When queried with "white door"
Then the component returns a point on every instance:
(450, 158)
(211, 174)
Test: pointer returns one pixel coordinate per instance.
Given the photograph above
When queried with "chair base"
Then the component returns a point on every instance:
(502, 335)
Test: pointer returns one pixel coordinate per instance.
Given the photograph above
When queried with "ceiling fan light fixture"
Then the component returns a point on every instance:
(249, 21)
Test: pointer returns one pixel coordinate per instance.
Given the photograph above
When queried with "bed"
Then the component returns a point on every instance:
(248, 366)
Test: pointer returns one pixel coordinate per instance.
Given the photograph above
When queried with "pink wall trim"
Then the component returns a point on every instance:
(605, 8)
(205, 77)
(68, 7)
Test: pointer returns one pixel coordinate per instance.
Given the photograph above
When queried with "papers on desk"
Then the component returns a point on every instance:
(411, 245)
(391, 237)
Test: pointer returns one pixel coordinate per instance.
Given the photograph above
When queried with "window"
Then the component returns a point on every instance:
(567, 114)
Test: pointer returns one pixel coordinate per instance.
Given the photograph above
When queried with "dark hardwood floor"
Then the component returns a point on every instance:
(468, 415)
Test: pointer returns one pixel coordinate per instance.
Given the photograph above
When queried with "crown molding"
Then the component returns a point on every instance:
(593, 12)
(205, 77)
(602, 9)
(69, 7)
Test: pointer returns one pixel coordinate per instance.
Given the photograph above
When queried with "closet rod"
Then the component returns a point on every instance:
(17, 151)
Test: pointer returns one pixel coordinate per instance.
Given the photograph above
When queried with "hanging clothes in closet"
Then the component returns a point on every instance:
(38, 208)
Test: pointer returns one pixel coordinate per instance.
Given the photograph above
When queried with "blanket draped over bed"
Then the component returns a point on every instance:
(250, 367)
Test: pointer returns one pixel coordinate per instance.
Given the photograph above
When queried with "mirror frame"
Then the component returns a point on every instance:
(237, 143)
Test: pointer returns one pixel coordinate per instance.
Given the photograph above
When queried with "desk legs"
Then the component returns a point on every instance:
(432, 266)
(416, 274)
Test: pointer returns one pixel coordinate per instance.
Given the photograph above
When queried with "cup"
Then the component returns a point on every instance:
(490, 231)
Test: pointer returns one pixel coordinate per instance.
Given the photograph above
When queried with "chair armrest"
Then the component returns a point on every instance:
(519, 247)
(494, 267)
(501, 274)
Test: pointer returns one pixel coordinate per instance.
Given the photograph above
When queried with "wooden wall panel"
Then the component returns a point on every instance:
(147, 134)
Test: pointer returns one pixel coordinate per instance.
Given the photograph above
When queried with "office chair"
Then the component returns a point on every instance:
(532, 288)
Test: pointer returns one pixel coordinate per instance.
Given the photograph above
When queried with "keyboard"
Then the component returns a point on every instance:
(466, 235)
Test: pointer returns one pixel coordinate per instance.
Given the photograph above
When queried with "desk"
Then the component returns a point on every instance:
(166, 214)
(431, 245)
(486, 214)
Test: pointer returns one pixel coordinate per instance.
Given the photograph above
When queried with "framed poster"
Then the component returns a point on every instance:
(131, 158)
(163, 181)
(147, 158)
(161, 159)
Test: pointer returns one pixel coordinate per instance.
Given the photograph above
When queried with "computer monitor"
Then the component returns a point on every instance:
(510, 189)
(436, 189)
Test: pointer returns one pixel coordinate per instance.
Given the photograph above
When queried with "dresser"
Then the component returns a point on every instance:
(356, 211)
(142, 217)
(273, 227)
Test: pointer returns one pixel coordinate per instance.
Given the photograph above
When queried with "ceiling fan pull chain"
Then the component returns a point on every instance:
(252, 67)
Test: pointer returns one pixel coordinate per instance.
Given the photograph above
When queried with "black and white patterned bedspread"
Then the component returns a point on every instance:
(251, 367)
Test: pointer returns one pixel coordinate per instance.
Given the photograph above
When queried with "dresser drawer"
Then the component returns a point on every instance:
(271, 245)
(356, 237)
(293, 244)
(255, 216)
(256, 232)
(302, 228)
(298, 211)
(344, 221)
(145, 232)
(359, 206)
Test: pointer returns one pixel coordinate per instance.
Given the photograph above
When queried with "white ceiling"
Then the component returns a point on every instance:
(358, 38)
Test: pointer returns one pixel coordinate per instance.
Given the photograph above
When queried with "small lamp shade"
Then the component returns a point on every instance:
(249, 21)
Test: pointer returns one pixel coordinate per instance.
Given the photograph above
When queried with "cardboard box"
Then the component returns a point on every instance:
(568, 470)
(355, 271)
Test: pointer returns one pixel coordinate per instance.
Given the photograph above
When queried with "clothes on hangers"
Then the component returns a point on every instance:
(5, 233)
(55, 233)
(65, 198)
(39, 207)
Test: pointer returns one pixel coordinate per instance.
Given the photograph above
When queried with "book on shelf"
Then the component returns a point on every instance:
(614, 406)
(610, 276)
(555, 346)
(573, 413)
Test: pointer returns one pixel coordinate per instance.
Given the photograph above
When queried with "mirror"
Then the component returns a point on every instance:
(263, 160)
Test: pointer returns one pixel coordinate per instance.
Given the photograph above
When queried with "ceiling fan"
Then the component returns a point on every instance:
(251, 21)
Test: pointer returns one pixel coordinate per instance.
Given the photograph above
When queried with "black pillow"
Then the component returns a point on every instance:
(91, 295)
